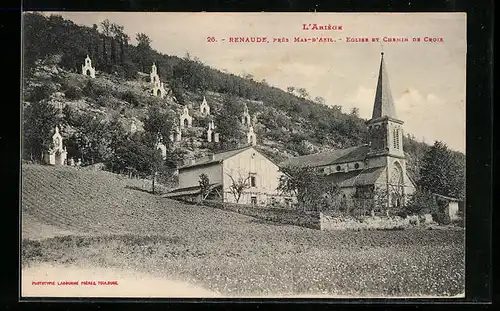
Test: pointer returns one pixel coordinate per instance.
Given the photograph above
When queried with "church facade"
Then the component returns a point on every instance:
(376, 170)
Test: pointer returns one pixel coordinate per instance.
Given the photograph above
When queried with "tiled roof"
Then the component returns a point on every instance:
(357, 178)
(351, 154)
(217, 157)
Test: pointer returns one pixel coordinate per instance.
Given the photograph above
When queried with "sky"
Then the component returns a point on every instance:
(427, 79)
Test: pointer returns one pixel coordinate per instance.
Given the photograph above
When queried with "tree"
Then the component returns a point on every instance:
(308, 186)
(303, 93)
(204, 186)
(92, 144)
(228, 123)
(39, 121)
(238, 186)
(422, 202)
(158, 126)
(320, 100)
(441, 173)
(144, 49)
(355, 111)
(248, 76)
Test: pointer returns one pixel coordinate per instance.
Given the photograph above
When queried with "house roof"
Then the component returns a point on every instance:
(188, 191)
(351, 154)
(357, 178)
(440, 196)
(216, 158)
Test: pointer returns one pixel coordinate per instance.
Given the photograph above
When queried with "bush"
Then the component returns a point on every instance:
(130, 97)
(40, 93)
(441, 218)
(73, 93)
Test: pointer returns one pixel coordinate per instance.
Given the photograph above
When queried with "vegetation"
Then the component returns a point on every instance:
(288, 123)
(442, 172)
(204, 186)
(223, 251)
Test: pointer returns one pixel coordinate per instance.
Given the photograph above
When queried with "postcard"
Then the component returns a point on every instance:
(243, 155)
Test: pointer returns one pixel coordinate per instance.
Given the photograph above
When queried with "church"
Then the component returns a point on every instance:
(376, 169)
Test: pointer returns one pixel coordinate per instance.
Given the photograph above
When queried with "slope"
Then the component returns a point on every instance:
(60, 201)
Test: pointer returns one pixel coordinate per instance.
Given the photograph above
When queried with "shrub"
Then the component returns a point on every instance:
(130, 97)
(40, 93)
(73, 93)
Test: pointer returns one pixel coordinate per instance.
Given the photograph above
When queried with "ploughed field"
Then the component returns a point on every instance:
(91, 219)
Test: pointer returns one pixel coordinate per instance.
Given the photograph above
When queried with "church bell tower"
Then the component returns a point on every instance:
(386, 141)
(384, 128)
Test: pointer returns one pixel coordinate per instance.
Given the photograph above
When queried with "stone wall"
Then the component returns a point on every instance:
(331, 222)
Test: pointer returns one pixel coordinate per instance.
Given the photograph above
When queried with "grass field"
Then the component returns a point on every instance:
(90, 219)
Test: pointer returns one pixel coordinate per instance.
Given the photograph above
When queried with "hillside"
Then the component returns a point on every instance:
(288, 123)
(60, 201)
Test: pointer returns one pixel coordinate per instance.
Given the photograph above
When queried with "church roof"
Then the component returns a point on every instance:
(217, 157)
(384, 103)
(351, 154)
(357, 178)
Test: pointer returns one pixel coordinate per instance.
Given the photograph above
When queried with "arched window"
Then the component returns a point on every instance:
(356, 166)
(338, 168)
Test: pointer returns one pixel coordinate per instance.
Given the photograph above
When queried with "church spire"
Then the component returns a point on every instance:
(384, 104)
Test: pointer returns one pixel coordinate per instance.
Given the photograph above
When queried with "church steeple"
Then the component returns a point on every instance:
(384, 104)
(385, 129)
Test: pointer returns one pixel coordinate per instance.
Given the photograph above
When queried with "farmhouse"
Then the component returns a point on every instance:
(374, 170)
(238, 166)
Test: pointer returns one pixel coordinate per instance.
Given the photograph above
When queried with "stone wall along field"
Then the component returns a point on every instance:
(329, 222)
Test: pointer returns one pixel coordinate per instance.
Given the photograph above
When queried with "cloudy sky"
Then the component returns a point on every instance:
(427, 79)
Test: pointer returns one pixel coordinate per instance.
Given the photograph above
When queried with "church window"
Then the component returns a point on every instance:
(395, 138)
(356, 166)
(338, 168)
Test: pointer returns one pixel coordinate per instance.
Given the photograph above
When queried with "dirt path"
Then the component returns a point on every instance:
(129, 284)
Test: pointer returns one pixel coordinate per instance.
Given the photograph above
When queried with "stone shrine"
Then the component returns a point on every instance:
(245, 119)
(159, 87)
(154, 77)
(204, 107)
(251, 137)
(161, 146)
(57, 154)
(87, 69)
(211, 135)
(186, 120)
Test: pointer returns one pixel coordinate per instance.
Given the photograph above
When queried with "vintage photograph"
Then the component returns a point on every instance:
(243, 155)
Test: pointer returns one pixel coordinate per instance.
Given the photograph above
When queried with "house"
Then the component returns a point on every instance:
(373, 170)
(243, 165)
(450, 206)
